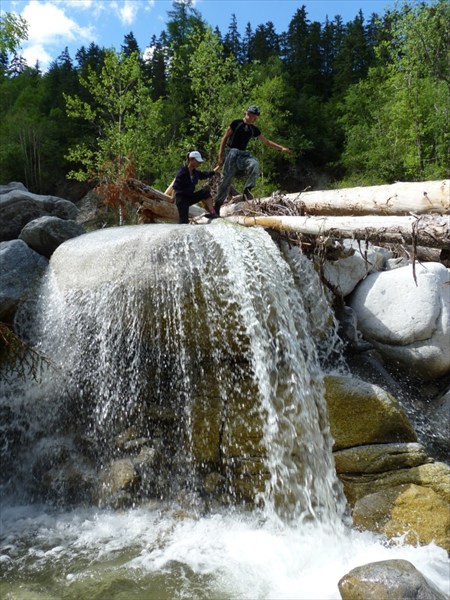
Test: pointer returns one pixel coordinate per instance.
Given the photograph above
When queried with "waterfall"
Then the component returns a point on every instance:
(177, 439)
(207, 325)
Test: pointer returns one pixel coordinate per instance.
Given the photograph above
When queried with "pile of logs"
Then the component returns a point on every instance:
(415, 214)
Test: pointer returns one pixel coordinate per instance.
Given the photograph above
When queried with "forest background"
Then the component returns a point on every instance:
(359, 103)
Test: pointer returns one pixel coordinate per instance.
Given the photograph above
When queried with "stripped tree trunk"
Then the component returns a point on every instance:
(427, 230)
(400, 198)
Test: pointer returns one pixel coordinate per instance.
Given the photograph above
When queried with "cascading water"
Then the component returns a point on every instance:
(179, 436)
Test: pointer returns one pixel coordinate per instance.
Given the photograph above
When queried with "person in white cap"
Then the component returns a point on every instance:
(238, 161)
(184, 186)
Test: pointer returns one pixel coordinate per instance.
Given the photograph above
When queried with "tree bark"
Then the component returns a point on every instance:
(400, 198)
(155, 205)
(427, 230)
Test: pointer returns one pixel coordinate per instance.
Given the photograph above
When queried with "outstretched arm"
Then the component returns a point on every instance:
(271, 144)
(223, 143)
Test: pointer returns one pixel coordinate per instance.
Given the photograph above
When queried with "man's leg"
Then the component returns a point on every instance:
(251, 169)
(204, 196)
(183, 210)
(228, 172)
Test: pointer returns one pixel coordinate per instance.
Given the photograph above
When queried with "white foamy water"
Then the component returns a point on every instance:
(154, 553)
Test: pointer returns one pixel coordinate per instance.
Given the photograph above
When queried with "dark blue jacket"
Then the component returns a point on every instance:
(185, 184)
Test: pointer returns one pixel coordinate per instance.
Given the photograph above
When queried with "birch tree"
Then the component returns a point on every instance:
(125, 126)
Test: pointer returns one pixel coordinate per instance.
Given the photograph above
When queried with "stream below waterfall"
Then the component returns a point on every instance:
(192, 355)
(159, 553)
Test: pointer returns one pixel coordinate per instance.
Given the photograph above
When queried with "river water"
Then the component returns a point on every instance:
(105, 296)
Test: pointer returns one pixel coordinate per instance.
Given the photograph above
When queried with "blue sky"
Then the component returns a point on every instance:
(55, 24)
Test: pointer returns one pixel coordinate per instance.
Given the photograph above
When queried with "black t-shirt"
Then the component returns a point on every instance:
(242, 134)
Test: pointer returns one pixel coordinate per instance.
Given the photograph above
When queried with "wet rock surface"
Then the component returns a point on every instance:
(393, 579)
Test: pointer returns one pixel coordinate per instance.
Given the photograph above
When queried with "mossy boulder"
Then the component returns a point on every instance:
(361, 413)
(416, 512)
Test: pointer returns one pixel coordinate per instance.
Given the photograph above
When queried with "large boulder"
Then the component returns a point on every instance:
(416, 512)
(406, 316)
(20, 270)
(361, 413)
(45, 234)
(393, 579)
(18, 207)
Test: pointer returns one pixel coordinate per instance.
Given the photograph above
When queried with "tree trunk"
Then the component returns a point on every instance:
(427, 230)
(397, 199)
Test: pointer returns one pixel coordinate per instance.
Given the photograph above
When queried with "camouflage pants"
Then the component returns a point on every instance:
(237, 164)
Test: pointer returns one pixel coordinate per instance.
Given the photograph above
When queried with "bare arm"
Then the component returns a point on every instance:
(271, 144)
(223, 143)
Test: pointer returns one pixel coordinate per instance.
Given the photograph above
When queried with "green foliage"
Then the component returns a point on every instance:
(396, 120)
(219, 90)
(366, 102)
(13, 30)
(120, 111)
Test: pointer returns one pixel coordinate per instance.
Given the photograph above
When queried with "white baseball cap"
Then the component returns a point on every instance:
(196, 155)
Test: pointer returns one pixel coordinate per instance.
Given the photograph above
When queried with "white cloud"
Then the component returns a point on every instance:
(48, 24)
(85, 4)
(55, 24)
(95, 7)
(50, 28)
(127, 10)
(37, 53)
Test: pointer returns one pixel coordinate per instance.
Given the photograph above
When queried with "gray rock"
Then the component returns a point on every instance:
(435, 475)
(438, 418)
(45, 234)
(20, 269)
(119, 480)
(393, 579)
(18, 207)
(13, 185)
(396, 263)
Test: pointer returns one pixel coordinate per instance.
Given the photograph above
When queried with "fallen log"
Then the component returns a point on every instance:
(426, 230)
(401, 198)
(156, 205)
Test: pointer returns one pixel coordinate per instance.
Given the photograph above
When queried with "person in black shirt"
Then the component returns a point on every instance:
(238, 161)
(184, 186)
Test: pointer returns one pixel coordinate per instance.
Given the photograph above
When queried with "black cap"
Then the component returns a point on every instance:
(254, 110)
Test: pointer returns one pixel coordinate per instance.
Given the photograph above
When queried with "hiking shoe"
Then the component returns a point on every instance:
(247, 195)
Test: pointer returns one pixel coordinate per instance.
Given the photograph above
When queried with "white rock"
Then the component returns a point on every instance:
(345, 273)
(408, 323)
